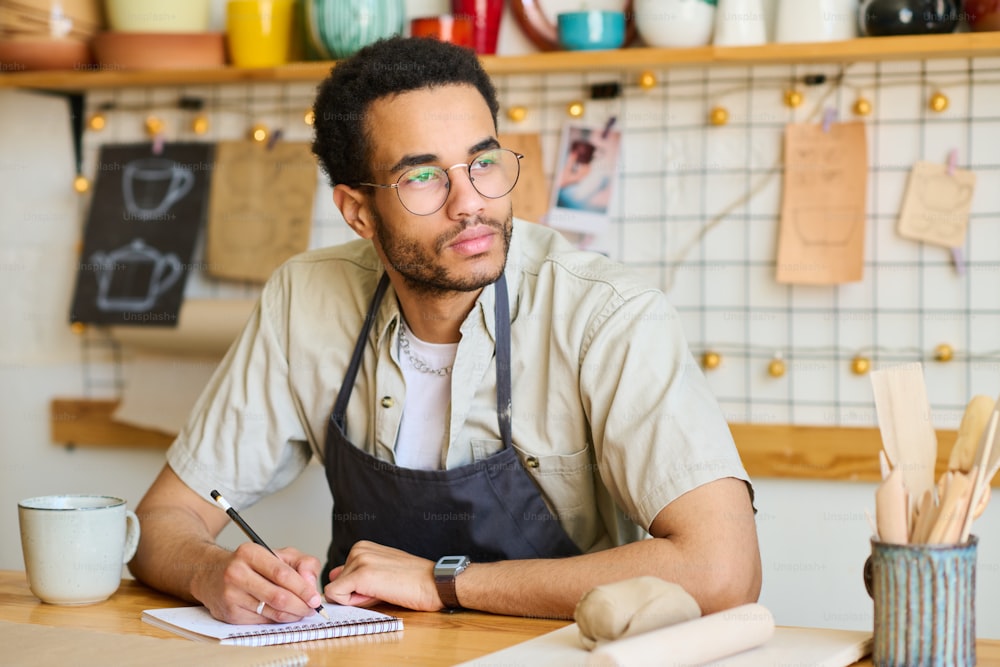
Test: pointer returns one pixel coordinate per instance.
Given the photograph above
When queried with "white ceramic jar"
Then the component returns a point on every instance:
(740, 23)
(675, 23)
(816, 20)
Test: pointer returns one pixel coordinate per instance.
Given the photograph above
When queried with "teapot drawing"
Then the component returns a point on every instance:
(131, 278)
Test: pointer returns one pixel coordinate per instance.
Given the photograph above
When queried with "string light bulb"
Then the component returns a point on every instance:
(710, 360)
(154, 125)
(81, 183)
(647, 80)
(860, 365)
(944, 352)
(794, 98)
(938, 102)
(776, 368)
(78, 328)
(517, 113)
(718, 116)
(862, 107)
(309, 117)
(97, 122)
(259, 133)
(575, 109)
(200, 124)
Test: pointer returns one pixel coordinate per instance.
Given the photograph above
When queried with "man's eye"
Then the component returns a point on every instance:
(422, 176)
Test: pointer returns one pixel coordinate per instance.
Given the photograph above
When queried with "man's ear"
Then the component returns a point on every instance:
(353, 205)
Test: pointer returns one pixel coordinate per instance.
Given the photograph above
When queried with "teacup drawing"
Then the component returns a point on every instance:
(151, 186)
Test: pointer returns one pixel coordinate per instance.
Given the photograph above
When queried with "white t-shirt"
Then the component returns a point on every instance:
(422, 429)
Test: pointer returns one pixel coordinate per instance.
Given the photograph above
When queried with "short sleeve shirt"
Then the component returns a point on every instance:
(611, 414)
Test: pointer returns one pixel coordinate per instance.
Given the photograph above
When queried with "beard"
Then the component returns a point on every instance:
(419, 267)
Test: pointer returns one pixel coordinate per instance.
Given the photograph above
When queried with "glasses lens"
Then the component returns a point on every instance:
(494, 172)
(423, 190)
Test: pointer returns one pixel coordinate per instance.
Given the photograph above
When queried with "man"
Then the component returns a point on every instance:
(477, 389)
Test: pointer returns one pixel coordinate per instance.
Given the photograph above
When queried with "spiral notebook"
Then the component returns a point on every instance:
(198, 624)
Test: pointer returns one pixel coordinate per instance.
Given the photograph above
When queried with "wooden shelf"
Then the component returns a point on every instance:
(768, 451)
(956, 45)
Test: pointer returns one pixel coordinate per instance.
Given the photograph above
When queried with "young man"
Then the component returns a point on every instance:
(478, 390)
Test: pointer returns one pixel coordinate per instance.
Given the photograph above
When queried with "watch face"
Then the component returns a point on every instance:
(451, 561)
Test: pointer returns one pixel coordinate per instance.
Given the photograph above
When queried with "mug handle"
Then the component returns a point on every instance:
(132, 533)
(867, 574)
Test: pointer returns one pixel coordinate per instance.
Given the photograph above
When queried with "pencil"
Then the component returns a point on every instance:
(249, 532)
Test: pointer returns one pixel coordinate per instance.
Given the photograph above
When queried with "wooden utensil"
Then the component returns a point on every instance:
(905, 425)
(985, 462)
(970, 432)
(891, 509)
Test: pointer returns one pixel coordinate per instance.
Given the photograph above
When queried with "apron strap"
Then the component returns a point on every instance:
(501, 312)
(347, 386)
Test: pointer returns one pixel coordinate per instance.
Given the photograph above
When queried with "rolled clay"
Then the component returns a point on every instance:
(697, 642)
(631, 607)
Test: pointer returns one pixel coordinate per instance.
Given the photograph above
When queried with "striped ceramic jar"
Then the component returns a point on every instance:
(925, 604)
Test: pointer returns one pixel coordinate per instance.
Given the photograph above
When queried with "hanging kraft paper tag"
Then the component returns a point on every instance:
(260, 213)
(821, 236)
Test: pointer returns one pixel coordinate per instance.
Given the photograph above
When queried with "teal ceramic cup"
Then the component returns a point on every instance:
(591, 30)
(925, 604)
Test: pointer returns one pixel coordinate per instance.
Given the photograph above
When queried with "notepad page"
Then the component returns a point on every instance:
(199, 621)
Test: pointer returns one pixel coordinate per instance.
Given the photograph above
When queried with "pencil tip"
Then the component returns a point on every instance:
(322, 612)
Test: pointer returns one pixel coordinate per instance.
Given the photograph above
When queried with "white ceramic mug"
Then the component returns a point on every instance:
(75, 545)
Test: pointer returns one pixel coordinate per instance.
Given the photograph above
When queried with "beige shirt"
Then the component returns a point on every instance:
(611, 414)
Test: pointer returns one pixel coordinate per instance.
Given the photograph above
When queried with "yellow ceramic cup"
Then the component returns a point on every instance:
(259, 32)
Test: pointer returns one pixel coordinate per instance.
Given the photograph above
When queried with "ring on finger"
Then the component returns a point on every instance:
(260, 608)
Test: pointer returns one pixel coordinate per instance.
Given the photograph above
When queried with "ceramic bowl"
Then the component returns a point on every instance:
(591, 30)
(43, 54)
(158, 16)
(675, 23)
(167, 50)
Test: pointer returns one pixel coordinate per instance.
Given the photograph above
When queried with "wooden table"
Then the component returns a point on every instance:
(428, 638)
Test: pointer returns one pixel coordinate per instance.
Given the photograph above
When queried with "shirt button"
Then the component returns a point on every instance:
(387, 402)
(531, 462)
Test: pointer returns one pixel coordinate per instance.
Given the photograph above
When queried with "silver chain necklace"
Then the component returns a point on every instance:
(417, 362)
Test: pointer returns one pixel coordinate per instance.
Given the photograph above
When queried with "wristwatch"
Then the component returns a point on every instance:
(445, 571)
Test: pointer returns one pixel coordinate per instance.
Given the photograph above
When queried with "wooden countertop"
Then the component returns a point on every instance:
(427, 638)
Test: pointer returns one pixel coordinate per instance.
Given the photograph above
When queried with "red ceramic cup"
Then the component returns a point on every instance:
(983, 15)
(447, 28)
(485, 16)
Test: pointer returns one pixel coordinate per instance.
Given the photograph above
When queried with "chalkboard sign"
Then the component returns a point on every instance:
(144, 219)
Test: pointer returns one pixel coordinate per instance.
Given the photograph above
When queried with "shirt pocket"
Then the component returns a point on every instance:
(566, 482)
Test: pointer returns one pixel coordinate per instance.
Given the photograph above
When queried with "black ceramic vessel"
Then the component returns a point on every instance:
(879, 18)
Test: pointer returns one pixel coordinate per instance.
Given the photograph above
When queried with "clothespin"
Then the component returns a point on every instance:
(607, 127)
(274, 138)
(829, 117)
(957, 259)
(159, 139)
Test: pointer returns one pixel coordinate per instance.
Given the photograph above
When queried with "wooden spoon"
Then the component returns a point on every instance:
(970, 431)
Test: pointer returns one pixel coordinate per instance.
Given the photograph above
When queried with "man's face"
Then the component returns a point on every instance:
(463, 245)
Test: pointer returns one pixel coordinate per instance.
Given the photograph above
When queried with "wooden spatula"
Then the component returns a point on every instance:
(970, 431)
(904, 421)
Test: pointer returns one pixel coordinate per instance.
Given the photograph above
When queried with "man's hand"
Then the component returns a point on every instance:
(375, 573)
(235, 586)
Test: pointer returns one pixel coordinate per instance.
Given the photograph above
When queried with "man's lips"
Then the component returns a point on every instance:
(473, 241)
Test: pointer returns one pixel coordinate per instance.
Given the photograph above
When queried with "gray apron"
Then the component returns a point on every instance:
(488, 510)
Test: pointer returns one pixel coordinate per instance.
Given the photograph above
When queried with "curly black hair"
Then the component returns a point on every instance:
(342, 142)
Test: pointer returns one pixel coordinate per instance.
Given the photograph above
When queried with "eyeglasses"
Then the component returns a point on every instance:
(424, 190)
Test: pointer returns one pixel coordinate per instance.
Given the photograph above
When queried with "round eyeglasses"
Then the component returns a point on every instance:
(424, 189)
